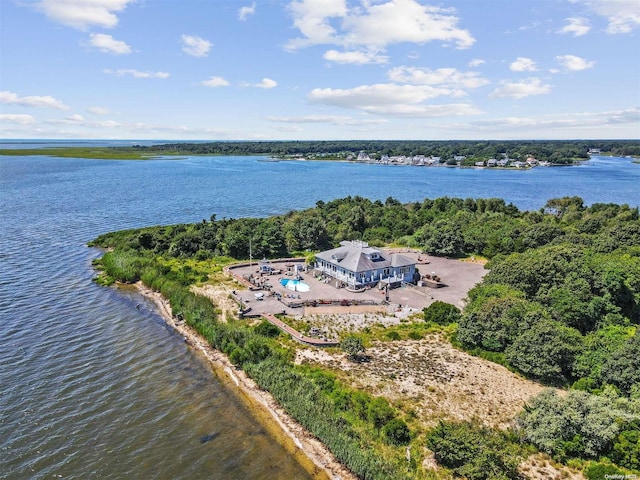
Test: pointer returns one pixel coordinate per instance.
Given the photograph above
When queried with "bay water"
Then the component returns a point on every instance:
(93, 384)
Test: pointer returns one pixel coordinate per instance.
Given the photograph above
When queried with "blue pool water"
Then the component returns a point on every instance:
(295, 285)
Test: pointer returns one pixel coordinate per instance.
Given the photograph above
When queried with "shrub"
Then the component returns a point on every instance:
(442, 313)
(267, 329)
(392, 335)
(474, 452)
(379, 412)
(600, 470)
(353, 347)
(396, 432)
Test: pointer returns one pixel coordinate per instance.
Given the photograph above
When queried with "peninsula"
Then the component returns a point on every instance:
(425, 382)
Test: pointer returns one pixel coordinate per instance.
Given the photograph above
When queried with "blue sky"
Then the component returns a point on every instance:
(320, 69)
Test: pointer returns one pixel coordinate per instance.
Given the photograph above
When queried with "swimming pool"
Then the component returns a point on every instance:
(295, 285)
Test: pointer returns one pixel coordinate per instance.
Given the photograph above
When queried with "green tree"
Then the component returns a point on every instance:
(379, 412)
(442, 313)
(622, 368)
(577, 424)
(546, 351)
(353, 346)
(474, 452)
(396, 432)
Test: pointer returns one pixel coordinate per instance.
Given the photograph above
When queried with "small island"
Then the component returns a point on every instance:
(328, 310)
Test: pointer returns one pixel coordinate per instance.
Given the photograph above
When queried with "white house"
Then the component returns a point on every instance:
(357, 264)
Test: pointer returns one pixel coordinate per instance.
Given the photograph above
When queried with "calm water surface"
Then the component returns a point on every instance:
(93, 387)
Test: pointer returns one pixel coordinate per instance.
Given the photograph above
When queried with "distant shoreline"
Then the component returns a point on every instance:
(521, 154)
(122, 153)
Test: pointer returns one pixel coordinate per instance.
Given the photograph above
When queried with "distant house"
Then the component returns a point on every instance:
(492, 162)
(363, 157)
(357, 264)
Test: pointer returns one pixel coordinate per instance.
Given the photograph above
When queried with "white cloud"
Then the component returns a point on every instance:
(83, 14)
(19, 119)
(266, 83)
(312, 18)
(354, 57)
(98, 110)
(580, 120)
(623, 15)
(136, 73)
(442, 76)
(244, 12)
(45, 101)
(574, 63)
(476, 62)
(523, 64)
(107, 44)
(521, 89)
(195, 46)
(373, 25)
(576, 25)
(75, 118)
(329, 119)
(214, 82)
(391, 99)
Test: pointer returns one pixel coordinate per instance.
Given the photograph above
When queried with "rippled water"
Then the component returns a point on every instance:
(93, 387)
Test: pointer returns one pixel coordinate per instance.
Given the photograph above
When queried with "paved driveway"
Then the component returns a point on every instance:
(458, 276)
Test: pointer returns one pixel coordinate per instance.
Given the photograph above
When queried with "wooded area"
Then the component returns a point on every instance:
(554, 151)
(560, 304)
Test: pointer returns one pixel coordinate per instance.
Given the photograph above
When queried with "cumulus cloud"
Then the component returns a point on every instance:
(373, 26)
(18, 119)
(574, 63)
(214, 82)
(195, 46)
(313, 19)
(392, 99)
(476, 62)
(521, 89)
(98, 110)
(623, 15)
(107, 44)
(266, 83)
(577, 26)
(244, 12)
(355, 57)
(46, 101)
(441, 76)
(523, 64)
(83, 14)
(136, 73)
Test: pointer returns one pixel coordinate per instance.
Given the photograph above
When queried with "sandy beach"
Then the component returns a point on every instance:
(310, 452)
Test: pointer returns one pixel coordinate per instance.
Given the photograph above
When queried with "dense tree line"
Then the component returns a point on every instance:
(554, 151)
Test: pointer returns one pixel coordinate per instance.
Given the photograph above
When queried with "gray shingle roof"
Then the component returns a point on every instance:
(357, 257)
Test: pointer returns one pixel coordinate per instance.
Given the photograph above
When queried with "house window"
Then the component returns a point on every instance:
(385, 272)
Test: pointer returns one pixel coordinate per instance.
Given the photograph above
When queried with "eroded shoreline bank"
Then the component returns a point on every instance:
(306, 449)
